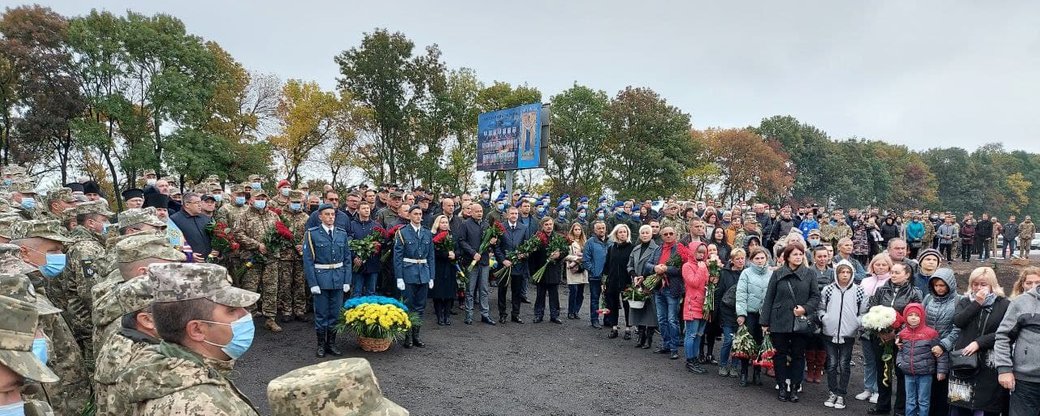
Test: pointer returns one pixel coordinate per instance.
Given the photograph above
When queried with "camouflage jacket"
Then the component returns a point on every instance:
(106, 312)
(85, 257)
(118, 354)
(678, 224)
(1026, 230)
(228, 213)
(297, 223)
(168, 379)
(252, 226)
(70, 394)
(929, 232)
(37, 408)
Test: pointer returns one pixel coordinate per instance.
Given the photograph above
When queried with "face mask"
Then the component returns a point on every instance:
(7, 182)
(565, 203)
(218, 197)
(13, 409)
(104, 228)
(562, 214)
(149, 182)
(54, 265)
(601, 215)
(635, 216)
(814, 242)
(541, 211)
(255, 185)
(502, 207)
(582, 215)
(285, 191)
(313, 207)
(261, 204)
(295, 206)
(240, 200)
(242, 331)
(28, 203)
(39, 349)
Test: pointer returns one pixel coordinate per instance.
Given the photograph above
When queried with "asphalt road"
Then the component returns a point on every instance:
(533, 369)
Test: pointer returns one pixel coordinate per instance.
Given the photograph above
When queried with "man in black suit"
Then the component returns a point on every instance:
(515, 235)
(469, 235)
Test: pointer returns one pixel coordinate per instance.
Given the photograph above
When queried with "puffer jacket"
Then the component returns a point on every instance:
(751, 288)
(840, 309)
(778, 304)
(915, 355)
(940, 310)
(695, 277)
(896, 297)
(1018, 332)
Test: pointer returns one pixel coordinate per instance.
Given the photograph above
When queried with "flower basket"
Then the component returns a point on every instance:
(374, 344)
(636, 304)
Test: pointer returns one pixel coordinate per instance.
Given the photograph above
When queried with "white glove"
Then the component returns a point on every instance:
(431, 283)
(400, 284)
(346, 287)
(315, 290)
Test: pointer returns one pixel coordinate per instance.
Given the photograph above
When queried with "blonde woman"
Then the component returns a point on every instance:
(577, 276)
(1028, 278)
(618, 278)
(979, 313)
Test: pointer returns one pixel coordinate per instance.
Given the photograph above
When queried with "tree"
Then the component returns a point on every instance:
(579, 133)
(309, 118)
(811, 153)
(1019, 197)
(748, 165)
(461, 112)
(648, 146)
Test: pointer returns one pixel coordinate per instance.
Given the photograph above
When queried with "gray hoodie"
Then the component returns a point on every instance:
(940, 310)
(841, 307)
(1020, 330)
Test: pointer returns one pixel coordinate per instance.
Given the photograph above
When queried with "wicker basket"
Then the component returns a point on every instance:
(374, 344)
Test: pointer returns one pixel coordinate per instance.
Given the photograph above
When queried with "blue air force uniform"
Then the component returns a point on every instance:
(327, 265)
(414, 265)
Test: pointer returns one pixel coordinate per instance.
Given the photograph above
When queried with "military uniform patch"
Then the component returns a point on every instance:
(88, 268)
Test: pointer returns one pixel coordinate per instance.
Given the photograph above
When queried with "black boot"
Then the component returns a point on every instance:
(756, 376)
(649, 338)
(642, 339)
(743, 373)
(437, 310)
(407, 339)
(321, 344)
(793, 394)
(330, 344)
(415, 337)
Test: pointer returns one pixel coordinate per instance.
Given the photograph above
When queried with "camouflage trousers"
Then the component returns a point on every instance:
(263, 279)
(293, 293)
(70, 394)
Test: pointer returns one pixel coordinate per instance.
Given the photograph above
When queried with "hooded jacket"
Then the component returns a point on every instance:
(1021, 327)
(940, 310)
(915, 355)
(751, 288)
(695, 277)
(841, 306)
(170, 379)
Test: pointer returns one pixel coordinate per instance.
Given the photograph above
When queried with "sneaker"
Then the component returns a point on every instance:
(873, 398)
(839, 402)
(830, 400)
(864, 396)
(723, 371)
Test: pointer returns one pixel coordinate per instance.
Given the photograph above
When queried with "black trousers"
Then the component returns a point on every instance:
(551, 292)
(789, 361)
(516, 284)
(895, 384)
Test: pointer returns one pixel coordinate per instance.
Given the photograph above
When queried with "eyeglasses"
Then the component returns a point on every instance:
(667, 234)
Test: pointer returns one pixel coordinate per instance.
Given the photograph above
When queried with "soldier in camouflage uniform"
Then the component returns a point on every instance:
(292, 287)
(1026, 232)
(332, 388)
(86, 260)
(18, 363)
(122, 350)
(58, 200)
(229, 214)
(389, 216)
(187, 373)
(282, 197)
(23, 195)
(105, 310)
(262, 268)
(40, 244)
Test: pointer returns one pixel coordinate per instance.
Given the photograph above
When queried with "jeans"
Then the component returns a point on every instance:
(364, 284)
(1010, 244)
(838, 370)
(668, 319)
(575, 298)
(918, 394)
(869, 366)
(694, 332)
(727, 345)
(789, 361)
(966, 252)
(595, 286)
(1025, 400)
(478, 281)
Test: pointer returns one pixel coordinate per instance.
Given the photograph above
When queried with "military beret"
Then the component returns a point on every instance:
(282, 183)
(19, 329)
(135, 216)
(338, 387)
(583, 199)
(135, 294)
(156, 200)
(132, 193)
(91, 187)
(138, 247)
(176, 282)
(47, 229)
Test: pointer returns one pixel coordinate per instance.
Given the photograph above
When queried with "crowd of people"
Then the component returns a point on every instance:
(119, 302)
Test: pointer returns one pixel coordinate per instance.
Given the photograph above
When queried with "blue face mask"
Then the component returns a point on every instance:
(541, 211)
(7, 182)
(242, 331)
(39, 349)
(218, 197)
(54, 266)
(255, 185)
(28, 203)
(502, 207)
(565, 203)
(240, 200)
(601, 215)
(285, 191)
(104, 228)
(582, 215)
(260, 204)
(13, 409)
(295, 206)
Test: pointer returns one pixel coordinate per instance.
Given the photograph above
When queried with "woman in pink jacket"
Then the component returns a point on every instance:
(695, 278)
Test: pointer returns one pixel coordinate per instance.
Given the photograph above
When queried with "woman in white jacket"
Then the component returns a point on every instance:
(577, 277)
(841, 305)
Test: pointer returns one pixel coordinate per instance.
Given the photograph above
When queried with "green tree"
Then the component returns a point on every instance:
(811, 153)
(310, 118)
(576, 148)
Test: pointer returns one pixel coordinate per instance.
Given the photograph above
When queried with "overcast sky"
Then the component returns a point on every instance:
(920, 73)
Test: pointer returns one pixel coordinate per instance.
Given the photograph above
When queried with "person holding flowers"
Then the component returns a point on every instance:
(896, 293)
(547, 256)
(791, 298)
(514, 237)
(695, 277)
(667, 282)
(414, 262)
(618, 279)
(751, 289)
(842, 302)
(445, 286)
(326, 267)
(577, 276)
(644, 318)
(726, 311)
(470, 239)
(365, 269)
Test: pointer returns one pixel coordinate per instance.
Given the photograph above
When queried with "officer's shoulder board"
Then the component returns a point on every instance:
(314, 228)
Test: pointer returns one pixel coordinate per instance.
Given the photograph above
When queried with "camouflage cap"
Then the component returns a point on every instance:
(135, 294)
(11, 260)
(212, 178)
(145, 246)
(48, 229)
(91, 207)
(24, 187)
(17, 331)
(61, 194)
(242, 188)
(255, 178)
(338, 387)
(13, 169)
(215, 186)
(18, 286)
(259, 192)
(134, 216)
(147, 172)
(296, 195)
(186, 281)
(5, 224)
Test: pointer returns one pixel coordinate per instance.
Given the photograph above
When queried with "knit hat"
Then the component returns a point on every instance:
(929, 252)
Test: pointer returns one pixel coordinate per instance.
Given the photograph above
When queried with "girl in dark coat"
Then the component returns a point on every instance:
(553, 276)
(979, 314)
(445, 287)
(618, 278)
(727, 313)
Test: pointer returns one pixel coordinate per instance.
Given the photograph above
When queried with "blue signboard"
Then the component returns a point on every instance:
(510, 139)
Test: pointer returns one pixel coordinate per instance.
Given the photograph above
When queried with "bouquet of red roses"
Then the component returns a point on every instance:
(442, 241)
(277, 239)
(527, 247)
(222, 240)
(495, 230)
(386, 245)
(555, 243)
(765, 355)
(364, 248)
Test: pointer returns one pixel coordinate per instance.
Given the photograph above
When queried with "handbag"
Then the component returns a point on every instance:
(964, 365)
(802, 324)
(730, 297)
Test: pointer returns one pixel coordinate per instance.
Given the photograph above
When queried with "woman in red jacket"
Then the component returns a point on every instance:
(695, 278)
